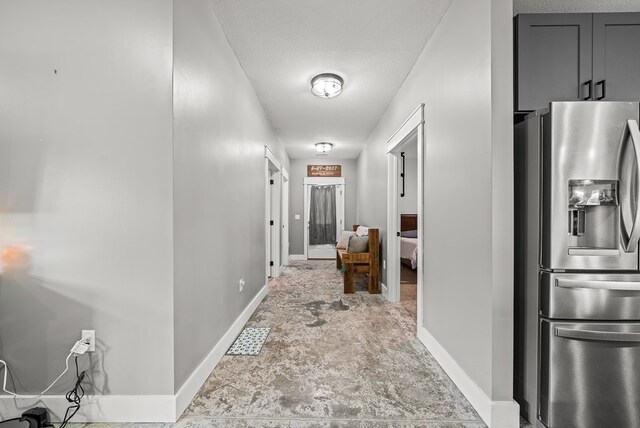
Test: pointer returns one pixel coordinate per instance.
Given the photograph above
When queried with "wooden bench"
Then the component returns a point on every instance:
(368, 262)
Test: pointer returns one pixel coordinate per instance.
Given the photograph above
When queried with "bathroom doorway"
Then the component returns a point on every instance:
(323, 216)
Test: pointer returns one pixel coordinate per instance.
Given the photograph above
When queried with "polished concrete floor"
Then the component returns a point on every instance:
(409, 290)
(331, 360)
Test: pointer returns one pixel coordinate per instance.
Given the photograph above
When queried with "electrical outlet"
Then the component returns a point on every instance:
(91, 335)
(384, 264)
(241, 285)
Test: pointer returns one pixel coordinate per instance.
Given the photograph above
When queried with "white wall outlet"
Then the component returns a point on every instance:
(240, 285)
(91, 335)
(297, 217)
(384, 264)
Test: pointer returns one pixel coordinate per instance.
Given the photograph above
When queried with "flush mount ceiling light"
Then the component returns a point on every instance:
(323, 147)
(326, 85)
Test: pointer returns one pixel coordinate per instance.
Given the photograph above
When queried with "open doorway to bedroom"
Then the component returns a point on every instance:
(408, 209)
(405, 240)
(323, 215)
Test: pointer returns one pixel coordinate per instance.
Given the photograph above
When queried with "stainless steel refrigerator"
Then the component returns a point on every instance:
(577, 277)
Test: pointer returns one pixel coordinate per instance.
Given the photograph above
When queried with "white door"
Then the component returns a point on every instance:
(324, 251)
(272, 214)
(274, 229)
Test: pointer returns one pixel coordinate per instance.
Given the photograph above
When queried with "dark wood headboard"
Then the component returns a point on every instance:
(408, 222)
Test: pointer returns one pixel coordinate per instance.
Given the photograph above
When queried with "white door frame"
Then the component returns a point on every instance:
(284, 238)
(271, 167)
(412, 127)
(321, 181)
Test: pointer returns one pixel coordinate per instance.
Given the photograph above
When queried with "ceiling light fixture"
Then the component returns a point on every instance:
(323, 147)
(326, 85)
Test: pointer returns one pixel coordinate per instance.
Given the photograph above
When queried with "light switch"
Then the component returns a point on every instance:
(297, 216)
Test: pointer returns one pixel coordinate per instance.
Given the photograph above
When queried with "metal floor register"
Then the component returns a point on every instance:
(250, 341)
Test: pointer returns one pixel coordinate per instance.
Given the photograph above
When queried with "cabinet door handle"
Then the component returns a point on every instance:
(589, 85)
(603, 84)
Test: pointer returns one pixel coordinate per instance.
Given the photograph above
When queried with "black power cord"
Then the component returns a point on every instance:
(74, 396)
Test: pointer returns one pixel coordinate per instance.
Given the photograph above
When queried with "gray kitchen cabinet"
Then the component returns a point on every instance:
(553, 59)
(616, 56)
(581, 56)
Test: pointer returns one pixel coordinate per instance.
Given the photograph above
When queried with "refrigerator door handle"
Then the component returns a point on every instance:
(598, 285)
(601, 336)
(630, 242)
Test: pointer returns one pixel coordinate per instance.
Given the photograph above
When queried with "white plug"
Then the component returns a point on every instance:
(80, 347)
(89, 337)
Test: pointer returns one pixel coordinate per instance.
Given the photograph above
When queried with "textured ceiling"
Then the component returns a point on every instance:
(575, 6)
(372, 44)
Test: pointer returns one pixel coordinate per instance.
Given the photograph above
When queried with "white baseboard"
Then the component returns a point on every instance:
(192, 385)
(293, 257)
(137, 408)
(98, 408)
(385, 290)
(496, 414)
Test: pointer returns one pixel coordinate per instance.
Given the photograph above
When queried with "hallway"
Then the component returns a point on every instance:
(330, 360)
(137, 141)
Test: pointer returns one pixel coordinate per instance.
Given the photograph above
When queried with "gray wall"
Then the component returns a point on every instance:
(220, 131)
(297, 173)
(93, 192)
(463, 77)
(85, 191)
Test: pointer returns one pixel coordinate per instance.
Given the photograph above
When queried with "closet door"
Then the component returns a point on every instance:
(616, 56)
(553, 59)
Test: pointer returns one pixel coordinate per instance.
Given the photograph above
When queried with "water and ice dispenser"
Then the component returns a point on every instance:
(593, 216)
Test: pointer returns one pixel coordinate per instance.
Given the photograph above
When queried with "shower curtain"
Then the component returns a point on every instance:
(322, 215)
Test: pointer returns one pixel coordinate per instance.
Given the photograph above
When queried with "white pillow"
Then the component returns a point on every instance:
(343, 242)
(362, 231)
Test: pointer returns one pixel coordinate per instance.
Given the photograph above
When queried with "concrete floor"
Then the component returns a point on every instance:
(409, 290)
(331, 360)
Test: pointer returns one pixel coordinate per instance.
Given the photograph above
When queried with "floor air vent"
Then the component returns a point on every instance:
(250, 341)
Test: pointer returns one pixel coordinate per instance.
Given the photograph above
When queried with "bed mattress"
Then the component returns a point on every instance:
(409, 250)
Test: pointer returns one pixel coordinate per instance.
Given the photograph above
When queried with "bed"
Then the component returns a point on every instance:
(409, 240)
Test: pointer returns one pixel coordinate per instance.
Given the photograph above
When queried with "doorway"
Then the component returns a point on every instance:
(323, 216)
(406, 143)
(408, 210)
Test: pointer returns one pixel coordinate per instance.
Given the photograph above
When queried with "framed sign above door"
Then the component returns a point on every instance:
(324, 170)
